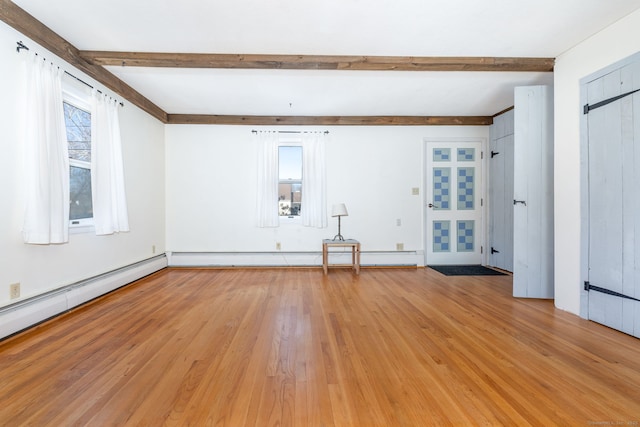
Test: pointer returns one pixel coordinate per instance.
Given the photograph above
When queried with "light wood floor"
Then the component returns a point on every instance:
(292, 347)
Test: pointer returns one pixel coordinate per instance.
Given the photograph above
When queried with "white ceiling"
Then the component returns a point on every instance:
(541, 28)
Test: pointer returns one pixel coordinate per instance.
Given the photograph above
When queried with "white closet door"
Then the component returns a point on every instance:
(533, 193)
(613, 116)
(500, 159)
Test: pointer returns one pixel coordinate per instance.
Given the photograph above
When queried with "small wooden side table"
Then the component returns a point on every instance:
(348, 243)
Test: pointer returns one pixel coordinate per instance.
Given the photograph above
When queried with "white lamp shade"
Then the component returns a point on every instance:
(339, 210)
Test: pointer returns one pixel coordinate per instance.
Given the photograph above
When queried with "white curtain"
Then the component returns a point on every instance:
(107, 173)
(267, 201)
(314, 197)
(46, 156)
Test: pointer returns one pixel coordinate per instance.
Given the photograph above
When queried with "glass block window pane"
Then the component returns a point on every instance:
(466, 188)
(466, 154)
(441, 241)
(442, 154)
(465, 236)
(441, 188)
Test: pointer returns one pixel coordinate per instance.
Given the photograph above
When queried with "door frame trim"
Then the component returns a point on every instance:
(484, 226)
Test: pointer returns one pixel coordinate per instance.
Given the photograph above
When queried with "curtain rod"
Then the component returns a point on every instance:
(23, 46)
(289, 131)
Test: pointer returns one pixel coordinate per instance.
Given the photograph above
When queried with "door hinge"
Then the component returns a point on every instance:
(481, 155)
(587, 107)
(481, 202)
(481, 249)
(589, 287)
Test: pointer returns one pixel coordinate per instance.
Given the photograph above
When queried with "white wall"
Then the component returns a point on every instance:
(211, 188)
(616, 42)
(43, 268)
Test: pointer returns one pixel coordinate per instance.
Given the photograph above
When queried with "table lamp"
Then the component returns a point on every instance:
(339, 210)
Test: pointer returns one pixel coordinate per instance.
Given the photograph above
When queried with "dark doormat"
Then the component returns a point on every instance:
(466, 270)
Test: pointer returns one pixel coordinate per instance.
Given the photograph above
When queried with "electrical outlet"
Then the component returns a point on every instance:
(278, 246)
(14, 290)
(398, 222)
(153, 249)
(415, 191)
(399, 246)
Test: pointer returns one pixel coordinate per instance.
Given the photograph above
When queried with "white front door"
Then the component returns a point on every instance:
(453, 198)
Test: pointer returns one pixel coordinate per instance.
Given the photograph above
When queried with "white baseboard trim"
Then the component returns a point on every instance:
(23, 314)
(290, 259)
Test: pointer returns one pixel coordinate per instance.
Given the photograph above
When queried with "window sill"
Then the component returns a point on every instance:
(286, 220)
(81, 229)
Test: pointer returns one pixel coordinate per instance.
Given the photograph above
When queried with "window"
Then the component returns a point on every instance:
(77, 119)
(289, 181)
(291, 173)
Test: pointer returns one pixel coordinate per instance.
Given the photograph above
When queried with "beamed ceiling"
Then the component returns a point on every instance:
(329, 62)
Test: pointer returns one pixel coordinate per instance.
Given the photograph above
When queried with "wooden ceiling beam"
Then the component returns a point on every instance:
(91, 63)
(205, 119)
(23, 22)
(317, 62)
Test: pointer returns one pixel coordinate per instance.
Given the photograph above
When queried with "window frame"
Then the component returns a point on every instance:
(291, 142)
(78, 95)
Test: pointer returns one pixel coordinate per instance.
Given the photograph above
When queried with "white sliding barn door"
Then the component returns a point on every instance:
(533, 193)
(612, 114)
(500, 159)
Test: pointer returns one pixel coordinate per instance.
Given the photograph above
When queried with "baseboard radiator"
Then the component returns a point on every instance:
(291, 259)
(29, 312)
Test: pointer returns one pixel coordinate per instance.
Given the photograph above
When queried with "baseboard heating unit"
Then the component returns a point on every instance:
(31, 311)
(290, 259)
